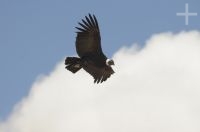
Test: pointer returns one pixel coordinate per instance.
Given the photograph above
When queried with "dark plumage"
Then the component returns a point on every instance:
(88, 47)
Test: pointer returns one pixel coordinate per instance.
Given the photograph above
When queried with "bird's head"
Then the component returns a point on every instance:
(109, 62)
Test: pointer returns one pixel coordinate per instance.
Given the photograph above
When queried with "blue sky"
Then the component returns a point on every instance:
(35, 35)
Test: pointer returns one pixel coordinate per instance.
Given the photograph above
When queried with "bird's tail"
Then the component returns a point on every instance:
(73, 64)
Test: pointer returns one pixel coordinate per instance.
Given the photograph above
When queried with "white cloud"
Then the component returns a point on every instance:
(154, 89)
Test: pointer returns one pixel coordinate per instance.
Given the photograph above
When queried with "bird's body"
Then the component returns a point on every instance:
(88, 47)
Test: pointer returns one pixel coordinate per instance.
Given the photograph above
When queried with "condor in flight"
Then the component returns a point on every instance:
(88, 47)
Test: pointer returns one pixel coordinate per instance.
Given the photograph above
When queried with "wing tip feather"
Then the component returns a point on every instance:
(89, 23)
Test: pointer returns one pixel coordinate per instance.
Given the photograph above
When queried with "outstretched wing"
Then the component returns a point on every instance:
(88, 40)
(99, 74)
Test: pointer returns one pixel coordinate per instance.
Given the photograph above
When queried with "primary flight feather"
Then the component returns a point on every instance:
(88, 47)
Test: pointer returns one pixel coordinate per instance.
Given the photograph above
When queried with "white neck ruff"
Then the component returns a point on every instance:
(107, 62)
